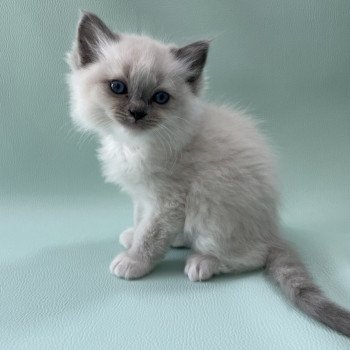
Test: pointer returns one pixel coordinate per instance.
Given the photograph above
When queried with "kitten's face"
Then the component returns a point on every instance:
(131, 85)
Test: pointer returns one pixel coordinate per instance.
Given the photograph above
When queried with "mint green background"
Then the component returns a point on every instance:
(287, 61)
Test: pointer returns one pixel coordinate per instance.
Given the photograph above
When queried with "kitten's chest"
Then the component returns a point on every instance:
(130, 168)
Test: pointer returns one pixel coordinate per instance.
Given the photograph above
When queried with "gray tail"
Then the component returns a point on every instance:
(284, 266)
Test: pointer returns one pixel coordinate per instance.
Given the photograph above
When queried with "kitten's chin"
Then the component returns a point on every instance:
(129, 133)
(134, 128)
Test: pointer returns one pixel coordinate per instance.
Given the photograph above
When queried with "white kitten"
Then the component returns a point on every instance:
(199, 175)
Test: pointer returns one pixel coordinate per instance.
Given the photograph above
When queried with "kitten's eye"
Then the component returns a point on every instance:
(161, 97)
(118, 87)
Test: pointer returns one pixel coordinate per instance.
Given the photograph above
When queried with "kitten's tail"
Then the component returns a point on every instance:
(284, 266)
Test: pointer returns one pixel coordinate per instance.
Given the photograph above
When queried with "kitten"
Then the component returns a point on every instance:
(199, 175)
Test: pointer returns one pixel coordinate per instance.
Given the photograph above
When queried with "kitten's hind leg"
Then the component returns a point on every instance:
(126, 237)
(181, 241)
(201, 267)
(203, 264)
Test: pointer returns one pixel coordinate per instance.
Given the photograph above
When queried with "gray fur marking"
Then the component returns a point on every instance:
(195, 56)
(284, 266)
(91, 31)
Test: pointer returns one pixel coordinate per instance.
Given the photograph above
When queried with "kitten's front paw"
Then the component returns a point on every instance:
(126, 237)
(129, 267)
(201, 267)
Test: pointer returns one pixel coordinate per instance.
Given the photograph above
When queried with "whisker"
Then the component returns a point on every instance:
(167, 140)
(161, 139)
(175, 153)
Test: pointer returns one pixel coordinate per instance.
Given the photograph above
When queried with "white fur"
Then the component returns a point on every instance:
(200, 175)
(204, 172)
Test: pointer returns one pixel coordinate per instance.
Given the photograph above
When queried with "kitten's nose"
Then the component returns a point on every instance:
(137, 114)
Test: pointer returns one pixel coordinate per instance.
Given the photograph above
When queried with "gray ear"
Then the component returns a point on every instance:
(194, 56)
(91, 33)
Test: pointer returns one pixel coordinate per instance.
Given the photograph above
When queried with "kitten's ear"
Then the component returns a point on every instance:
(194, 57)
(91, 34)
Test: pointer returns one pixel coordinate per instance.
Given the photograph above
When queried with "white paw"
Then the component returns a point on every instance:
(201, 267)
(125, 238)
(129, 267)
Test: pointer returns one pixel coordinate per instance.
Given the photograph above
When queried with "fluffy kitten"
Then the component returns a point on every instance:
(199, 175)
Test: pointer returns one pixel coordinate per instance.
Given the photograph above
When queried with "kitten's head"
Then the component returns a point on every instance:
(130, 85)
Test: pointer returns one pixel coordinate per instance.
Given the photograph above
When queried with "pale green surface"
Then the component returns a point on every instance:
(288, 61)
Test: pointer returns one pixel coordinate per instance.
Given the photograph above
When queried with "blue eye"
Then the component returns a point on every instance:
(118, 87)
(161, 97)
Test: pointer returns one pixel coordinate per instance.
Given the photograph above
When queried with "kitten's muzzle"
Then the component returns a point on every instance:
(138, 114)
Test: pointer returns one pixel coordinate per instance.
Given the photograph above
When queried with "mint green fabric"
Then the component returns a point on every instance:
(287, 62)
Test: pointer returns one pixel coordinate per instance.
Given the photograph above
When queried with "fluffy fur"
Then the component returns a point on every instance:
(199, 175)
